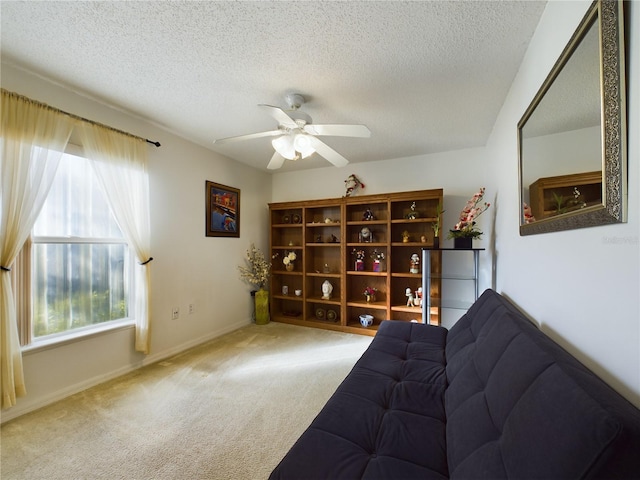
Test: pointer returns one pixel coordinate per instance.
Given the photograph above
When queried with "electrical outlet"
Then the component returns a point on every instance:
(175, 313)
(192, 308)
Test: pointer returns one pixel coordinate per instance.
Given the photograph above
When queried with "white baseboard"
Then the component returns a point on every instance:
(17, 411)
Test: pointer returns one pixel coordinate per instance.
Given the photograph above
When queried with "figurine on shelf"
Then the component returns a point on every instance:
(405, 237)
(327, 288)
(414, 266)
(413, 214)
(334, 239)
(417, 299)
(409, 295)
(365, 235)
(351, 184)
(368, 215)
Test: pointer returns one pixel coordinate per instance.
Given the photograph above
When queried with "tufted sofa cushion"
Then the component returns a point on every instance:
(518, 406)
(387, 419)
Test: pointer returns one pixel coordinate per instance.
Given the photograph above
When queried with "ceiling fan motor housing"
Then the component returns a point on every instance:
(294, 100)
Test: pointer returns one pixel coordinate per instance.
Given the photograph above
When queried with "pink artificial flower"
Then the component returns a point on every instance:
(472, 210)
(528, 215)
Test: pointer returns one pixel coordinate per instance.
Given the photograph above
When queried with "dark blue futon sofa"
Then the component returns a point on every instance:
(491, 398)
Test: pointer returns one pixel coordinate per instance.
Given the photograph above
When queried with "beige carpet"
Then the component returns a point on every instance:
(228, 409)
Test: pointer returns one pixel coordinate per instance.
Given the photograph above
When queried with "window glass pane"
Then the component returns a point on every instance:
(80, 259)
(76, 205)
(78, 285)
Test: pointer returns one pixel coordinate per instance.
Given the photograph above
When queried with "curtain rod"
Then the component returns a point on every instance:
(77, 117)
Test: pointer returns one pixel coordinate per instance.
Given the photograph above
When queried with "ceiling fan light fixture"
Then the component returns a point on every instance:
(296, 137)
(302, 144)
(284, 146)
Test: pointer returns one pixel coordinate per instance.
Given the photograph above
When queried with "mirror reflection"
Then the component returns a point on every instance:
(564, 155)
(562, 138)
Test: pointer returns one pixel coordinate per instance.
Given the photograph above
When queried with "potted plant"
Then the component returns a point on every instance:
(466, 230)
(257, 274)
(437, 225)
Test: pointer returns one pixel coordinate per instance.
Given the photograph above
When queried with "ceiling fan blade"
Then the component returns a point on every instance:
(281, 117)
(327, 152)
(276, 161)
(338, 130)
(271, 133)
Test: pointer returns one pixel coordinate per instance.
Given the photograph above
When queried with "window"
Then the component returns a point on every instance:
(80, 261)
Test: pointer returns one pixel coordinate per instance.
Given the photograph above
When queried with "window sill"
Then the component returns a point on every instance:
(73, 337)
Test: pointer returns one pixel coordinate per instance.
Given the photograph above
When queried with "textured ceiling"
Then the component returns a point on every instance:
(424, 76)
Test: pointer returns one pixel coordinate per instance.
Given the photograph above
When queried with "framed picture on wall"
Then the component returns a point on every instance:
(223, 210)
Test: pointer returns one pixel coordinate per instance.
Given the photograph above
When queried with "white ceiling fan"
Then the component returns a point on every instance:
(297, 136)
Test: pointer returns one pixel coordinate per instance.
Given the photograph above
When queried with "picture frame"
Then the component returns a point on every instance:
(222, 210)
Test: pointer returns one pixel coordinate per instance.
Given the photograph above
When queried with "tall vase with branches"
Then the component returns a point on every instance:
(256, 272)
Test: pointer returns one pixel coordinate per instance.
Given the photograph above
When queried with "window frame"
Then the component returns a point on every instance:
(23, 274)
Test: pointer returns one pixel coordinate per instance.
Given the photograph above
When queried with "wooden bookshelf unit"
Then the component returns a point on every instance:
(326, 237)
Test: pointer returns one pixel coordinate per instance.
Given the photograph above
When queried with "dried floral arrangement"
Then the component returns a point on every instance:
(376, 255)
(360, 254)
(370, 292)
(257, 270)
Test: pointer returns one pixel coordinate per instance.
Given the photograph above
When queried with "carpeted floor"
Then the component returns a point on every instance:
(228, 409)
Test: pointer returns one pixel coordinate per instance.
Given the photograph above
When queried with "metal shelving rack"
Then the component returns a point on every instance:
(427, 276)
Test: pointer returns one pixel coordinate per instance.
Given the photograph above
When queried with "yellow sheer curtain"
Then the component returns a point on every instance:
(32, 140)
(120, 162)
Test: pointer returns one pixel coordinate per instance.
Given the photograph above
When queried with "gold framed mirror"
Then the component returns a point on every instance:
(572, 139)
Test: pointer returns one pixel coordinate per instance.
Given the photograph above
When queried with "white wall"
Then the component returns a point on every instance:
(581, 286)
(187, 267)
